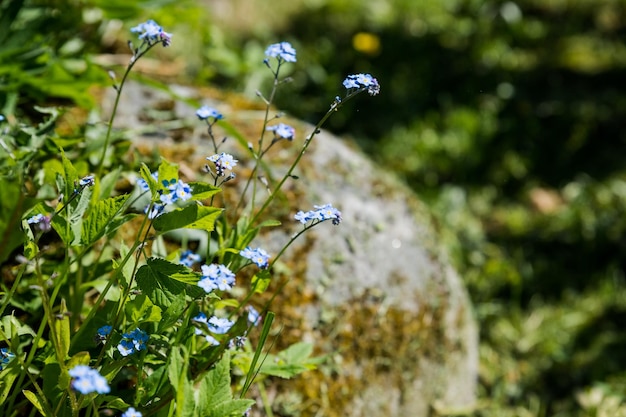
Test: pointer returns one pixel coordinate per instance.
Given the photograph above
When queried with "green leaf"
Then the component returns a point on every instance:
(290, 362)
(202, 190)
(62, 327)
(163, 282)
(177, 375)
(261, 280)
(270, 223)
(102, 219)
(141, 309)
(70, 176)
(11, 208)
(172, 313)
(32, 397)
(147, 177)
(167, 172)
(214, 395)
(190, 217)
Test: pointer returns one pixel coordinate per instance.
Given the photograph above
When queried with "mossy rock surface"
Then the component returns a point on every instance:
(375, 294)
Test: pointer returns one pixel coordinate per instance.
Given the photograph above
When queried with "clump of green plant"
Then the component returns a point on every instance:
(94, 324)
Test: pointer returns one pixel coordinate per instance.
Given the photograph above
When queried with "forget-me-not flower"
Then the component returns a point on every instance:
(87, 380)
(188, 258)
(102, 333)
(321, 213)
(216, 276)
(281, 51)
(5, 357)
(282, 131)
(257, 256)
(223, 162)
(131, 412)
(254, 317)
(219, 325)
(41, 221)
(133, 342)
(206, 112)
(151, 32)
(359, 81)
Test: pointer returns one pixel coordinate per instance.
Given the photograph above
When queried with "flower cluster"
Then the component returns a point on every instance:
(5, 357)
(281, 51)
(132, 342)
(206, 113)
(151, 33)
(282, 131)
(257, 256)
(214, 325)
(216, 276)
(223, 161)
(188, 258)
(87, 380)
(320, 214)
(171, 192)
(362, 81)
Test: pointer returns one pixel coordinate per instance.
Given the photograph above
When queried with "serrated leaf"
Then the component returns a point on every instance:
(214, 396)
(202, 190)
(102, 219)
(190, 217)
(163, 281)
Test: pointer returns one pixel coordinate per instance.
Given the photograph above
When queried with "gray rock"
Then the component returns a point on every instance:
(376, 293)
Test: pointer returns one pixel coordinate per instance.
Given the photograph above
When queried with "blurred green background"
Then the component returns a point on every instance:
(506, 117)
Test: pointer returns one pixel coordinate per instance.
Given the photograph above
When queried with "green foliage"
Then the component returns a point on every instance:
(508, 126)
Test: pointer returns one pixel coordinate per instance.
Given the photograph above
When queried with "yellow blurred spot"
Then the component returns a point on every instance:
(368, 43)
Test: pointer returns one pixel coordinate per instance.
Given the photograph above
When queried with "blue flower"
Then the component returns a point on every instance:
(151, 32)
(156, 210)
(254, 317)
(282, 131)
(132, 342)
(103, 332)
(223, 162)
(2, 118)
(219, 325)
(87, 380)
(5, 357)
(281, 51)
(214, 324)
(216, 277)
(257, 256)
(42, 222)
(206, 112)
(321, 213)
(87, 181)
(144, 185)
(131, 412)
(362, 81)
(188, 258)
